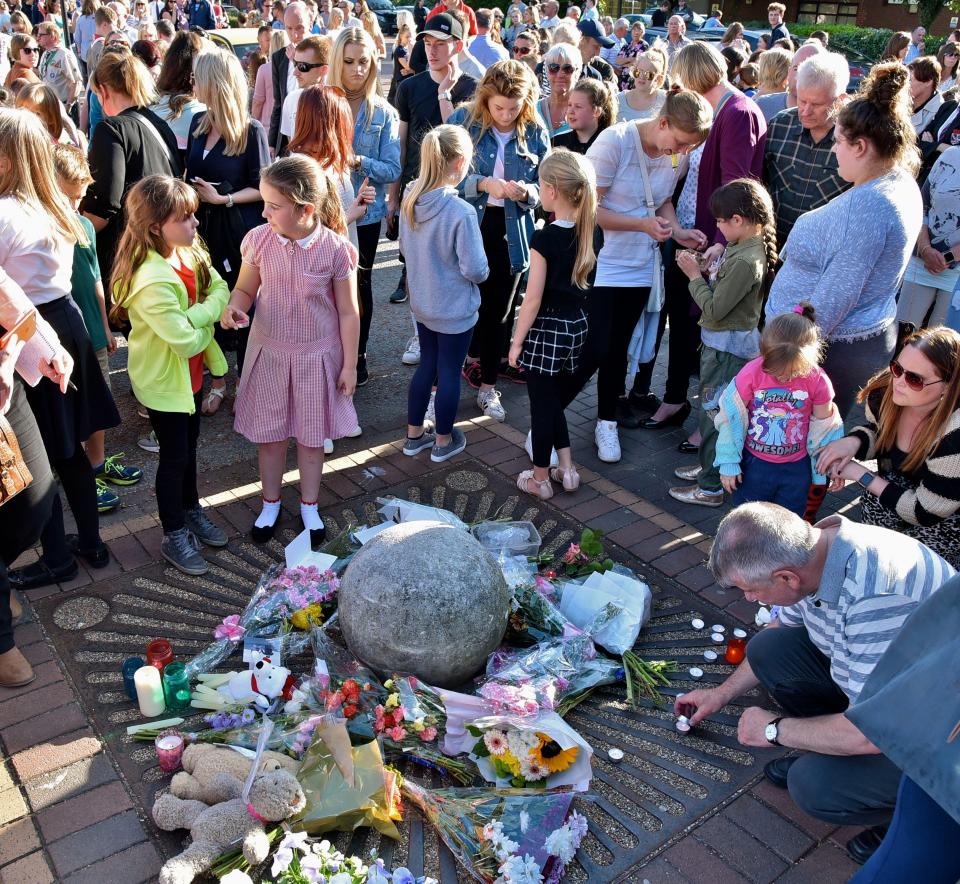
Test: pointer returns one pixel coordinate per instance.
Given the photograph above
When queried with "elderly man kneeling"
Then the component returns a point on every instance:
(843, 591)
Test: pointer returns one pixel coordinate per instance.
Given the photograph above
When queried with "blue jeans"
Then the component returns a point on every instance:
(922, 837)
(783, 483)
(441, 360)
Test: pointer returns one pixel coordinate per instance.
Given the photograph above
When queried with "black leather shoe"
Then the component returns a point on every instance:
(95, 558)
(41, 574)
(263, 535)
(317, 535)
(686, 447)
(646, 404)
(674, 420)
(865, 845)
(776, 771)
(626, 417)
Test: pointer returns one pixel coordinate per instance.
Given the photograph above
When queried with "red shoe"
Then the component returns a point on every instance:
(471, 373)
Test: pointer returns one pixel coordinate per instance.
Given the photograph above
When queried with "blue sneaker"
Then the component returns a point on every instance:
(107, 499)
(116, 473)
(457, 443)
(415, 446)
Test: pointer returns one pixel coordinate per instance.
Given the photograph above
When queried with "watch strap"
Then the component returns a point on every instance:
(776, 723)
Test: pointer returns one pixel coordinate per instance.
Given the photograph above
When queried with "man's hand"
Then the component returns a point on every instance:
(699, 704)
(753, 723)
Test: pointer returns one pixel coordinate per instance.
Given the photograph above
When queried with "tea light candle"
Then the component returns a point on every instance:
(718, 627)
(739, 633)
(717, 637)
(710, 656)
(696, 672)
(697, 623)
(149, 691)
(169, 746)
(683, 724)
(615, 755)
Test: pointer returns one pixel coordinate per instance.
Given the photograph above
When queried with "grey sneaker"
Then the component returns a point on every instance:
(456, 444)
(203, 529)
(150, 443)
(182, 550)
(415, 446)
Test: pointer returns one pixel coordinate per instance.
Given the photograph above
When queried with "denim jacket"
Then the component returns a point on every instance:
(378, 146)
(517, 166)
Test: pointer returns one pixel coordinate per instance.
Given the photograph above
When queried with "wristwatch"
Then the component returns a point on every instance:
(445, 96)
(772, 732)
(866, 477)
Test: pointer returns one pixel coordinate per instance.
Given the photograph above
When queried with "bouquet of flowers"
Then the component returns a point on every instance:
(538, 751)
(558, 673)
(587, 556)
(534, 616)
(281, 594)
(509, 836)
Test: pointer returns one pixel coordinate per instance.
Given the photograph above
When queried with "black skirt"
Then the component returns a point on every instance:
(23, 517)
(67, 420)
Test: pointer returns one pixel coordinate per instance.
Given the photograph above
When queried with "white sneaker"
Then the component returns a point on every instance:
(356, 431)
(608, 441)
(528, 447)
(431, 415)
(328, 446)
(488, 401)
(411, 356)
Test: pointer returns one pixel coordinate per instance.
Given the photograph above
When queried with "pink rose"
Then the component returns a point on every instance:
(572, 554)
(428, 734)
(396, 733)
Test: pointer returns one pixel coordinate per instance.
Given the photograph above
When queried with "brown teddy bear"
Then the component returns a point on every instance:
(274, 797)
(202, 762)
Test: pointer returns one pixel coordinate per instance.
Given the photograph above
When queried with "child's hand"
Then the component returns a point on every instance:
(347, 382)
(111, 342)
(730, 483)
(234, 317)
(515, 350)
(689, 265)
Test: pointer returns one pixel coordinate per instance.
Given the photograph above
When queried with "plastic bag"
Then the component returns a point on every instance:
(584, 601)
(396, 509)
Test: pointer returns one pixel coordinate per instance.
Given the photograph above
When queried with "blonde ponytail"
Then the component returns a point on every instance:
(441, 147)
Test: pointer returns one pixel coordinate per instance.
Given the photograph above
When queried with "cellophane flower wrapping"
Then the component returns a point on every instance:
(281, 592)
(541, 750)
(534, 616)
(523, 682)
(507, 836)
(334, 805)
(396, 509)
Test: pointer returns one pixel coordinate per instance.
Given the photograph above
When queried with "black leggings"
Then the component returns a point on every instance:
(498, 295)
(368, 236)
(80, 487)
(177, 434)
(612, 315)
(548, 423)
(683, 359)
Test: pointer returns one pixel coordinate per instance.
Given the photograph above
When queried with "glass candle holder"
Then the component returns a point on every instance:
(176, 687)
(169, 746)
(736, 650)
(130, 667)
(159, 653)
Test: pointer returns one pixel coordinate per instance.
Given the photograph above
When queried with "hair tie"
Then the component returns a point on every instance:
(798, 309)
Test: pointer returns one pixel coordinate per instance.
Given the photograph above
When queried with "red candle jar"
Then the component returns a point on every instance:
(169, 746)
(736, 647)
(159, 653)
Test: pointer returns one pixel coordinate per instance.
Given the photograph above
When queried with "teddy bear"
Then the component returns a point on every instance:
(202, 762)
(274, 797)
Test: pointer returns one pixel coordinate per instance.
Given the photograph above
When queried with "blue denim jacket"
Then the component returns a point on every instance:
(378, 146)
(516, 167)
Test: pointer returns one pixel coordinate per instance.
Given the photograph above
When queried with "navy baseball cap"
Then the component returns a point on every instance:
(590, 28)
(444, 27)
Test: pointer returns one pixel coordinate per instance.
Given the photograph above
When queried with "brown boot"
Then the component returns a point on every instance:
(15, 671)
(16, 609)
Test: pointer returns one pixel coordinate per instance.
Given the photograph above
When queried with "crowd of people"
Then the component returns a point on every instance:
(562, 192)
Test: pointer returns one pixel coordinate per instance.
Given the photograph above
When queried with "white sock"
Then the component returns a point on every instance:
(269, 514)
(311, 518)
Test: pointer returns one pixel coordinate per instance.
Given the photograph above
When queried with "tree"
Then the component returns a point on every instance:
(928, 10)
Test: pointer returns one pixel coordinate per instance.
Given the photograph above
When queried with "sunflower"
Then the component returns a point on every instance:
(548, 753)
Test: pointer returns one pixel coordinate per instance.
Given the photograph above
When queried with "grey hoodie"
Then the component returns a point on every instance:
(445, 261)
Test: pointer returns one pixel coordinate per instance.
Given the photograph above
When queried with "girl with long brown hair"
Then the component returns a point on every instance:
(509, 144)
(912, 428)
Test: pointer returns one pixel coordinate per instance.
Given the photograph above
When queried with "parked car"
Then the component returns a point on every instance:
(695, 23)
(386, 14)
(240, 41)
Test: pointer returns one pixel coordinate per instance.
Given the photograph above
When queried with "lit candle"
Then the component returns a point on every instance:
(149, 691)
(169, 746)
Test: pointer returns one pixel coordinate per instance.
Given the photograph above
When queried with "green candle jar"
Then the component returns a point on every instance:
(176, 687)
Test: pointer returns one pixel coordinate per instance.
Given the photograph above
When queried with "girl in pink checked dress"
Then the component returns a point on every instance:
(301, 366)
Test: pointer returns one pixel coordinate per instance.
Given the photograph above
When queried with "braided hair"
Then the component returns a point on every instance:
(748, 199)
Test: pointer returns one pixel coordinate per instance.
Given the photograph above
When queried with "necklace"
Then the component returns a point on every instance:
(352, 96)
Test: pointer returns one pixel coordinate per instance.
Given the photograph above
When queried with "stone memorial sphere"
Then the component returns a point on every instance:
(424, 598)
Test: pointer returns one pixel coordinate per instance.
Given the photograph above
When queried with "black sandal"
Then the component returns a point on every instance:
(41, 574)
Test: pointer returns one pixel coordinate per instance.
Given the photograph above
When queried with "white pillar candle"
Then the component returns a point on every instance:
(149, 691)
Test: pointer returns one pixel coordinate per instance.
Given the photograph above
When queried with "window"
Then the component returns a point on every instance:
(823, 13)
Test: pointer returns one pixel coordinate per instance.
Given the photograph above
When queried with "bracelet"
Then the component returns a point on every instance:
(229, 203)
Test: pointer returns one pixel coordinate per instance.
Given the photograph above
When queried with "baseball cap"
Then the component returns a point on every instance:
(590, 28)
(444, 27)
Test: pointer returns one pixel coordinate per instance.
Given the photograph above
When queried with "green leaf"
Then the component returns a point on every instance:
(587, 536)
(481, 750)
(474, 731)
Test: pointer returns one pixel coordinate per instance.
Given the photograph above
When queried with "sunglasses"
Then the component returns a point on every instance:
(913, 380)
(521, 50)
(556, 68)
(30, 49)
(306, 66)
(641, 74)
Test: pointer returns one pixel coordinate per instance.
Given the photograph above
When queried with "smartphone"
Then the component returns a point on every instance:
(949, 258)
(24, 329)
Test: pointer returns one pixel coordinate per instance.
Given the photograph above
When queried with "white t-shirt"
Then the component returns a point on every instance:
(502, 139)
(33, 253)
(626, 258)
(288, 113)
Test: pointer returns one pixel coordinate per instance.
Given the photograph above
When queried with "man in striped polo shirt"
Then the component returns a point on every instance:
(844, 590)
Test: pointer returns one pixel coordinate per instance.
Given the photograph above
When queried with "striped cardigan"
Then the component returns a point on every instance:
(935, 494)
(731, 422)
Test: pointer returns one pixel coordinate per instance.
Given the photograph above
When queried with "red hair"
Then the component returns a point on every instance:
(324, 128)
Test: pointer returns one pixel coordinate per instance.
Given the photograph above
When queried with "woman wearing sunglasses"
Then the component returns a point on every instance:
(25, 53)
(644, 98)
(912, 428)
(563, 64)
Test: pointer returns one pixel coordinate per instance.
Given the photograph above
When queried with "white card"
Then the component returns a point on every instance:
(299, 552)
(365, 535)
